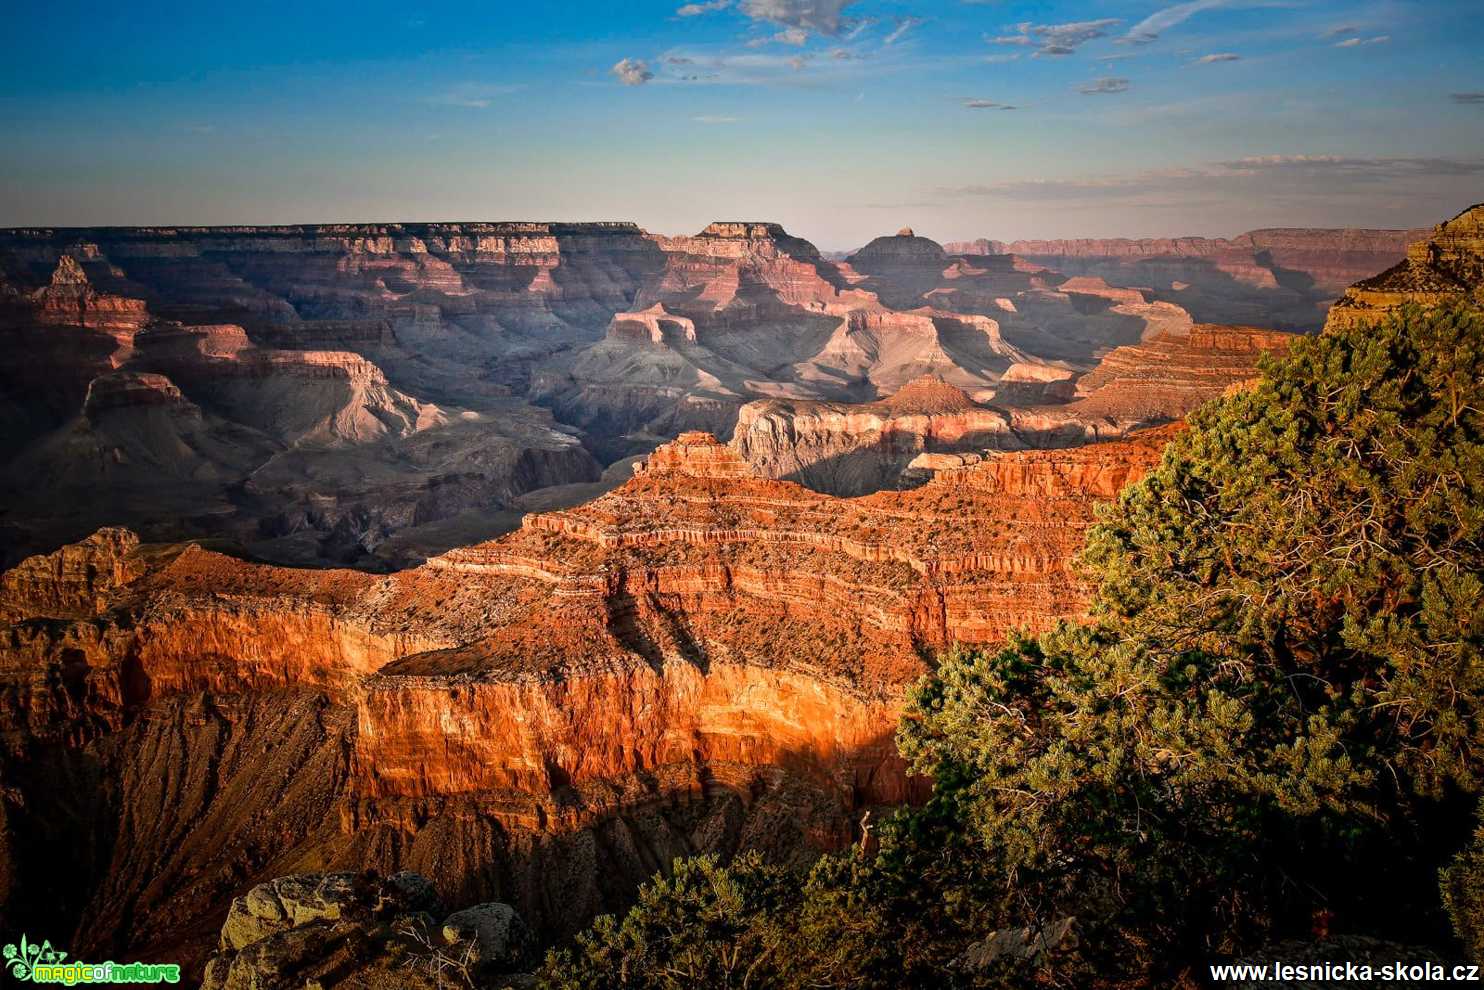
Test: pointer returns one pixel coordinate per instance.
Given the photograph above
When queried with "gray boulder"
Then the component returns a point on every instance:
(501, 940)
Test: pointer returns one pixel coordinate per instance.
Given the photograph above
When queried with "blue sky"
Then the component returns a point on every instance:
(841, 119)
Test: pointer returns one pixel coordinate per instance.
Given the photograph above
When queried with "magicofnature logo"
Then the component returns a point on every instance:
(32, 963)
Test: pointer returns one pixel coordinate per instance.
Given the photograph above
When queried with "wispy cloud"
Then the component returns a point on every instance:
(1151, 27)
(904, 24)
(632, 71)
(974, 104)
(1218, 57)
(1379, 39)
(707, 118)
(1342, 31)
(697, 9)
(1056, 39)
(1107, 84)
(1471, 99)
(473, 96)
(752, 68)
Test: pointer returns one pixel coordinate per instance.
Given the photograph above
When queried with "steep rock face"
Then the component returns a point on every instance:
(699, 660)
(1161, 379)
(1277, 277)
(1446, 265)
(73, 582)
(848, 449)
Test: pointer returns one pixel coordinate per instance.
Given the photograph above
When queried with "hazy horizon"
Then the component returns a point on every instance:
(840, 119)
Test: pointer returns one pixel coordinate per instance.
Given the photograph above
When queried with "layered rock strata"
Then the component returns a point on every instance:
(699, 660)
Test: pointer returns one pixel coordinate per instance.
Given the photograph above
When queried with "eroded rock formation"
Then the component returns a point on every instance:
(848, 449)
(1444, 266)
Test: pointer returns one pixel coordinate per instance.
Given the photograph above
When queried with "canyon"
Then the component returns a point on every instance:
(375, 394)
(646, 538)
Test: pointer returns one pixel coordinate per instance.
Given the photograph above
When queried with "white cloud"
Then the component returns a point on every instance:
(632, 71)
(696, 9)
(820, 16)
(1379, 39)
(1218, 57)
(973, 104)
(1107, 84)
(788, 36)
(707, 118)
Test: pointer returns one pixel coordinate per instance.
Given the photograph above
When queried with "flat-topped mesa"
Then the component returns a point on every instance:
(1098, 471)
(927, 396)
(655, 324)
(131, 389)
(1167, 376)
(745, 230)
(695, 454)
(371, 232)
(1446, 266)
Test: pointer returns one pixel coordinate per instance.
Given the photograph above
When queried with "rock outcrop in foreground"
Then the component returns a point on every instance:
(359, 930)
(701, 659)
